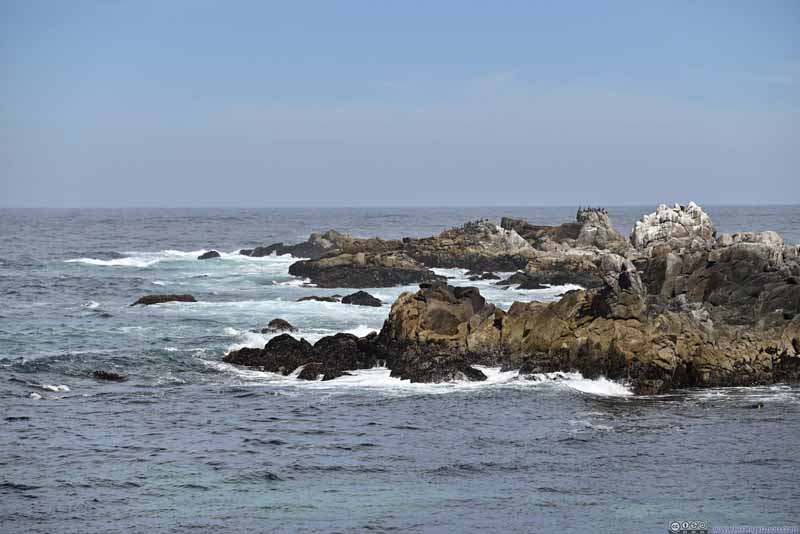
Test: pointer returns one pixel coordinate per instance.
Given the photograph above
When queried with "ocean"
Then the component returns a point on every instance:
(189, 443)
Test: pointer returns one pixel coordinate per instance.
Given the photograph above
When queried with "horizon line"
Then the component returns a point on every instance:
(389, 206)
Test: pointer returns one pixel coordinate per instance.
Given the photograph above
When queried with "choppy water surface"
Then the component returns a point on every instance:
(190, 443)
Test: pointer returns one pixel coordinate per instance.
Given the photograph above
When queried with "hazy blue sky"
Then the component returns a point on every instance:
(182, 103)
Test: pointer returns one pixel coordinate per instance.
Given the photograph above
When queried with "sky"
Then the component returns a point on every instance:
(398, 103)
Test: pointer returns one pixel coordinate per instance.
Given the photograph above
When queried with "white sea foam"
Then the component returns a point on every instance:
(295, 282)
(504, 296)
(58, 388)
(379, 379)
(119, 262)
(35, 396)
(600, 386)
(159, 282)
(90, 305)
(148, 259)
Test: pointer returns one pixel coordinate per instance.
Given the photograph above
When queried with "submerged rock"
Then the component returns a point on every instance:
(209, 255)
(109, 376)
(362, 298)
(159, 299)
(331, 298)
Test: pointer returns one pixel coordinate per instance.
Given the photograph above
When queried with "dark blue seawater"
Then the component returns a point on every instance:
(191, 444)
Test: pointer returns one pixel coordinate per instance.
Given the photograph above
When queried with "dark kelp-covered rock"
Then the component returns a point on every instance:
(320, 371)
(362, 298)
(435, 368)
(109, 376)
(211, 254)
(282, 354)
(363, 270)
(327, 298)
(278, 325)
(330, 356)
(159, 299)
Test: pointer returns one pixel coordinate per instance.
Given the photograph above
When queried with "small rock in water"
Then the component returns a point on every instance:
(278, 325)
(362, 298)
(209, 255)
(320, 299)
(158, 299)
(109, 375)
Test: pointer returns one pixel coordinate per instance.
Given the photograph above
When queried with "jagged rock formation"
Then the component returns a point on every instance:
(441, 319)
(479, 245)
(592, 229)
(330, 357)
(673, 229)
(748, 279)
(320, 245)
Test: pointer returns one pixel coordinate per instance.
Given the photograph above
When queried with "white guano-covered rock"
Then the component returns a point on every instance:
(677, 227)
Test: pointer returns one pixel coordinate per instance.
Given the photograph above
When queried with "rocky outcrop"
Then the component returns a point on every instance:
(746, 279)
(211, 254)
(147, 300)
(655, 351)
(475, 245)
(330, 243)
(450, 319)
(673, 229)
(597, 231)
(676, 306)
(363, 270)
(362, 298)
(479, 245)
(572, 253)
(282, 354)
(592, 229)
(611, 331)
(278, 325)
(329, 357)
